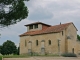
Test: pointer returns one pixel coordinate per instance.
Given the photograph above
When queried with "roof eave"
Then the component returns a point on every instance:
(38, 23)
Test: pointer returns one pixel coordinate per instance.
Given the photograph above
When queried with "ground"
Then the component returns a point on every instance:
(45, 58)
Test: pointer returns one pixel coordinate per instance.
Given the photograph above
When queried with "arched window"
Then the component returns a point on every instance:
(49, 42)
(73, 50)
(36, 42)
(62, 33)
(25, 43)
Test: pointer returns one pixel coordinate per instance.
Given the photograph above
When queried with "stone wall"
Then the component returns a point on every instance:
(61, 42)
(71, 39)
(53, 48)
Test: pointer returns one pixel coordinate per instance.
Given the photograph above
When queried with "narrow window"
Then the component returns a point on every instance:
(31, 27)
(25, 43)
(36, 42)
(73, 50)
(36, 26)
(62, 33)
(49, 42)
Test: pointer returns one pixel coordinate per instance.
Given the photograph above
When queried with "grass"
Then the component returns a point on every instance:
(49, 55)
(26, 56)
(14, 56)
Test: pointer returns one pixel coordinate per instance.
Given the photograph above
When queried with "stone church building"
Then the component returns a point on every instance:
(42, 38)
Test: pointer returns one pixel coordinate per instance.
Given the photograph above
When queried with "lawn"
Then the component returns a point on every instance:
(14, 56)
(25, 56)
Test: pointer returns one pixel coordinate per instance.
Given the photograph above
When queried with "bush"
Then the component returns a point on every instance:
(0, 57)
(69, 55)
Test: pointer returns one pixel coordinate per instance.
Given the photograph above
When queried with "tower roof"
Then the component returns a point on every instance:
(38, 23)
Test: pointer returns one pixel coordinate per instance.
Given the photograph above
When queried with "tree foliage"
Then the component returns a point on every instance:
(12, 11)
(18, 50)
(78, 37)
(8, 47)
(0, 48)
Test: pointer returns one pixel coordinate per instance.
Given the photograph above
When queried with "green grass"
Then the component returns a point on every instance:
(26, 56)
(14, 56)
(49, 55)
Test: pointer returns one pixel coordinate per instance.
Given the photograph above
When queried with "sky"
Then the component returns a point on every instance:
(51, 12)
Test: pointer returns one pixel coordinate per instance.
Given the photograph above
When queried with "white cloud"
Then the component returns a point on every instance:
(40, 14)
(48, 11)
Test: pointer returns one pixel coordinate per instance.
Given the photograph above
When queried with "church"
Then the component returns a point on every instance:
(43, 38)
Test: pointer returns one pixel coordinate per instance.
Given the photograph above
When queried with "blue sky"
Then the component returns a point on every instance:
(47, 11)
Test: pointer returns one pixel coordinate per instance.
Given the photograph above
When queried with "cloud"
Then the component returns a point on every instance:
(38, 10)
(40, 14)
(47, 11)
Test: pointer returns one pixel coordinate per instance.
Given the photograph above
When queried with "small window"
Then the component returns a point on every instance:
(31, 27)
(36, 42)
(25, 43)
(36, 26)
(73, 50)
(49, 42)
(62, 32)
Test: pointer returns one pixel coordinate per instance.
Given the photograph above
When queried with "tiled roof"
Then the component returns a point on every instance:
(54, 29)
(37, 23)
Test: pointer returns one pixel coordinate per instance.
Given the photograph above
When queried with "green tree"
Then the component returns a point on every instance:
(8, 47)
(0, 48)
(12, 11)
(18, 50)
(78, 37)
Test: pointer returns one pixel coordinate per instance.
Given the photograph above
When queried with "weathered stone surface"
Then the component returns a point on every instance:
(59, 43)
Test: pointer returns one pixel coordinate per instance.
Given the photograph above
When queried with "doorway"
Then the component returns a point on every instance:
(73, 50)
(42, 50)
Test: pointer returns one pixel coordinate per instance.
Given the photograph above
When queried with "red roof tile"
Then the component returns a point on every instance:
(54, 29)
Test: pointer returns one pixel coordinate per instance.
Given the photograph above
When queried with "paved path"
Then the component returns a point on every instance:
(45, 58)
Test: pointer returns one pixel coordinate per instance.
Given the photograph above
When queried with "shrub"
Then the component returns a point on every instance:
(69, 55)
(0, 57)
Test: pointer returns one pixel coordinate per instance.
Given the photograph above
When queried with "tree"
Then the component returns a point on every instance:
(78, 37)
(0, 48)
(12, 11)
(8, 47)
(18, 50)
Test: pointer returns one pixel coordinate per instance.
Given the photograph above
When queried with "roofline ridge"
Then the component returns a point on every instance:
(51, 28)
